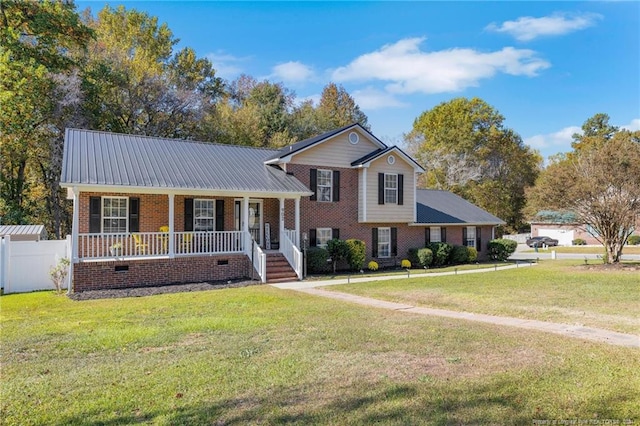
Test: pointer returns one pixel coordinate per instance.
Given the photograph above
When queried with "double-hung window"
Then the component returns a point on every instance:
(325, 185)
(390, 188)
(471, 236)
(436, 234)
(384, 242)
(203, 215)
(114, 215)
(323, 236)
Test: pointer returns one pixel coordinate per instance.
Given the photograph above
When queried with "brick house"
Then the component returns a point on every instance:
(151, 211)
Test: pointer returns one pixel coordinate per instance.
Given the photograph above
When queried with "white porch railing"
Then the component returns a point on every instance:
(153, 244)
(292, 253)
(258, 256)
(293, 236)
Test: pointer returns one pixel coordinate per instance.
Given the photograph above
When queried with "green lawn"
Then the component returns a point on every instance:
(585, 249)
(259, 355)
(558, 291)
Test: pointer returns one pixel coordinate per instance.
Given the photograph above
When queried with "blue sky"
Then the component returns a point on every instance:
(546, 66)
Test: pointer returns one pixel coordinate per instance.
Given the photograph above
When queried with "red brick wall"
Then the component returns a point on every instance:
(153, 272)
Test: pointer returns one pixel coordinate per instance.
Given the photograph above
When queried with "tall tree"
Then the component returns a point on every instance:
(600, 185)
(337, 108)
(467, 150)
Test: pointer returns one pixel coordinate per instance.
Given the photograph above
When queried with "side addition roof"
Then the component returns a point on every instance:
(446, 208)
(103, 159)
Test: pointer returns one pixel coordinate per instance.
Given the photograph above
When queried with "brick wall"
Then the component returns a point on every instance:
(153, 272)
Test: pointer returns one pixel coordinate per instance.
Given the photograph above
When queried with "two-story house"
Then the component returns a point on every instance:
(150, 211)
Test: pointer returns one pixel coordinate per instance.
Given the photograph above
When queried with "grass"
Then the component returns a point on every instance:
(259, 355)
(584, 249)
(558, 291)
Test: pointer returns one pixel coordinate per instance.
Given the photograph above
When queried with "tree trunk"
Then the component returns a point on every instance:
(614, 251)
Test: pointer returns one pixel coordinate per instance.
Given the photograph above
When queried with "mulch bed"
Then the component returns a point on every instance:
(150, 291)
(612, 267)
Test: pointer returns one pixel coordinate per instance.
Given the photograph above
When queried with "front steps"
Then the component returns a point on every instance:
(278, 269)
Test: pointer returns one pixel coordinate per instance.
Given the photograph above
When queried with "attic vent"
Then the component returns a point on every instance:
(354, 138)
(391, 159)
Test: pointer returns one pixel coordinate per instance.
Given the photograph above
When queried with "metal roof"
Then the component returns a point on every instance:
(22, 230)
(444, 207)
(113, 159)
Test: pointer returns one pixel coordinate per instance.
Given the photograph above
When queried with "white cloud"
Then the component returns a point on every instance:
(410, 70)
(293, 72)
(633, 126)
(528, 28)
(560, 141)
(226, 65)
(371, 98)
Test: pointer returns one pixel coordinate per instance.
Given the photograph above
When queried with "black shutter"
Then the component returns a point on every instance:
(394, 241)
(219, 215)
(464, 236)
(400, 189)
(478, 238)
(313, 241)
(380, 188)
(336, 185)
(134, 214)
(95, 214)
(443, 234)
(374, 242)
(335, 233)
(427, 236)
(188, 214)
(313, 183)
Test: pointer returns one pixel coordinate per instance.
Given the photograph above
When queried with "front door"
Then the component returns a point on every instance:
(255, 219)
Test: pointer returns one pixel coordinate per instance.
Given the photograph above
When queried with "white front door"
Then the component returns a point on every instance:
(255, 219)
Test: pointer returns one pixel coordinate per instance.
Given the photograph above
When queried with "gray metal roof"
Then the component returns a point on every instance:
(444, 207)
(113, 159)
(22, 230)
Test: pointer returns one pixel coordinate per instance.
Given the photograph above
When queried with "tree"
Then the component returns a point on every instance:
(337, 109)
(600, 185)
(465, 149)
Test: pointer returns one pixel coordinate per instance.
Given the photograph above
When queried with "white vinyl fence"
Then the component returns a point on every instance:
(25, 265)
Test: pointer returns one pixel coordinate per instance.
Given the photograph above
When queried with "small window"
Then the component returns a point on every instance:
(325, 185)
(384, 242)
(114, 215)
(390, 188)
(435, 234)
(471, 236)
(203, 215)
(391, 160)
(354, 138)
(323, 236)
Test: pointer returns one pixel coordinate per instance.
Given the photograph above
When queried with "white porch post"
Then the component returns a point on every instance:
(297, 219)
(245, 214)
(75, 237)
(281, 224)
(172, 239)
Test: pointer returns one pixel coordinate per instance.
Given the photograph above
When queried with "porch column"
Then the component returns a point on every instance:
(172, 239)
(245, 214)
(281, 224)
(297, 218)
(75, 231)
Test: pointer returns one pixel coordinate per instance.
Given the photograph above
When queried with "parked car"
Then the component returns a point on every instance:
(540, 241)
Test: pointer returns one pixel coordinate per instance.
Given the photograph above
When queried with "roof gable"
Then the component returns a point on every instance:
(373, 156)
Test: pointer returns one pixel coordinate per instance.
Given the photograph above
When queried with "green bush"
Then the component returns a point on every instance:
(473, 254)
(338, 251)
(501, 249)
(633, 240)
(425, 257)
(441, 252)
(317, 260)
(357, 252)
(412, 255)
(459, 255)
(373, 265)
(578, 242)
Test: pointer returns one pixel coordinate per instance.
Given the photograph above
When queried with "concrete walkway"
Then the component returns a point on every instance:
(579, 332)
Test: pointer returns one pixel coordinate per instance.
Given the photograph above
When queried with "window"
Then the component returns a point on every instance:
(114, 215)
(436, 235)
(323, 235)
(384, 242)
(203, 215)
(470, 240)
(325, 185)
(390, 188)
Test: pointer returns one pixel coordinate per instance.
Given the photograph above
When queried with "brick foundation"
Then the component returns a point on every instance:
(105, 275)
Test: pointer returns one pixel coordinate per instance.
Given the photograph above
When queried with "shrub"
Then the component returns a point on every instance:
(338, 250)
(459, 255)
(441, 252)
(501, 249)
(317, 260)
(59, 273)
(406, 264)
(578, 242)
(373, 265)
(633, 240)
(473, 254)
(356, 255)
(412, 256)
(425, 257)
